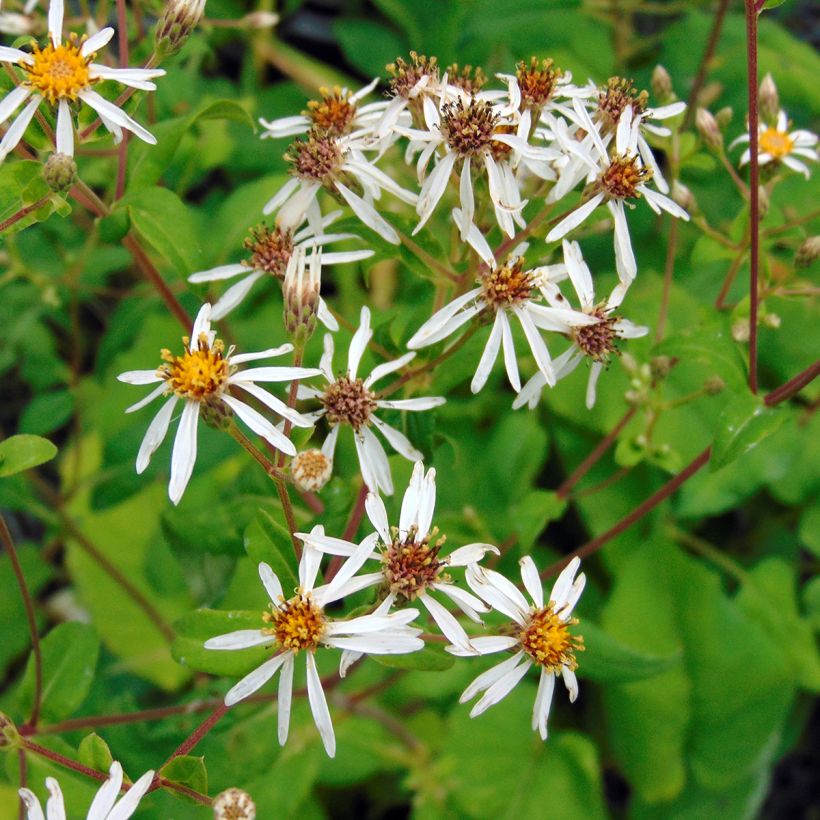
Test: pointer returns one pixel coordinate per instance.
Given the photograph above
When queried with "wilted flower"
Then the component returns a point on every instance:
(234, 804)
(311, 470)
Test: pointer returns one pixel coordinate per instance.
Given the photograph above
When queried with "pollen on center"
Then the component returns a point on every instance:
(200, 373)
(410, 567)
(547, 640)
(59, 72)
(297, 623)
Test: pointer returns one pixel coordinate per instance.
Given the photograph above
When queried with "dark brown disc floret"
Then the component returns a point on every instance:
(470, 80)
(317, 158)
(537, 82)
(348, 401)
(597, 341)
(410, 567)
(468, 129)
(405, 75)
(616, 95)
(333, 114)
(508, 285)
(270, 249)
(622, 177)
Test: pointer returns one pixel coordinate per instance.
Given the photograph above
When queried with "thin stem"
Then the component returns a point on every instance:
(668, 273)
(720, 302)
(754, 193)
(193, 739)
(23, 212)
(56, 757)
(427, 258)
(186, 790)
(596, 454)
(298, 354)
(703, 68)
(793, 385)
(8, 542)
(350, 530)
(267, 465)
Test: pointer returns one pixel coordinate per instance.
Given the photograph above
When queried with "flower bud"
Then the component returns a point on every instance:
(662, 84)
(176, 23)
(724, 116)
(768, 100)
(740, 330)
(763, 199)
(807, 252)
(660, 366)
(301, 292)
(709, 130)
(714, 385)
(260, 20)
(311, 470)
(9, 736)
(59, 172)
(234, 804)
(771, 321)
(215, 413)
(684, 197)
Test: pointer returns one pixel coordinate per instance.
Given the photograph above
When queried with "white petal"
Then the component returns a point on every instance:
(486, 679)
(130, 800)
(13, 100)
(563, 583)
(183, 457)
(55, 21)
(219, 273)
(96, 41)
(543, 701)
(579, 273)
(449, 626)
(116, 115)
(33, 809)
(271, 583)
(373, 459)
(376, 512)
(328, 544)
(467, 199)
(498, 592)
(277, 405)
(624, 255)
(432, 328)
(234, 295)
(18, 128)
(488, 645)
(55, 808)
(465, 601)
(420, 403)
(488, 355)
(280, 196)
(350, 567)
(574, 219)
(285, 698)
(594, 373)
(140, 377)
(433, 189)
(469, 554)
(571, 682)
(260, 425)
(369, 215)
(384, 369)
(537, 346)
(500, 689)
(318, 705)
(292, 213)
(532, 582)
(105, 798)
(397, 440)
(510, 360)
(255, 680)
(275, 374)
(358, 344)
(155, 434)
(240, 639)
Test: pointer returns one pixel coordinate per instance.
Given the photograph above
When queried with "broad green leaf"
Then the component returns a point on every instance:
(267, 540)
(69, 657)
(195, 628)
(23, 452)
(809, 530)
(368, 45)
(743, 424)
(22, 184)
(428, 659)
(607, 660)
(187, 770)
(47, 411)
(94, 753)
(532, 514)
(773, 4)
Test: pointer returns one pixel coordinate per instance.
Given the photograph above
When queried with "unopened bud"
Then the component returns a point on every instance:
(216, 414)
(709, 130)
(9, 736)
(662, 84)
(763, 200)
(684, 197)
(176, 23)
(740, 330)
(234, 804)
(807, 252)
(311, 470)
(771, 321)
(629, 363)
(260, 20)
(724, 116)
(301, 293)
(59, 172)
(660, 366)
(768, 100)
(714, 385)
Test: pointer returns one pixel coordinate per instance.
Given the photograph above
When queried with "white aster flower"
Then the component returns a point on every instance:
(271, 249)
(336, 164)
(594, 341)
(63, 72)
(503, 289)
(300, 623)
(410, 84)
(104, 806)
(538, 637)
(410, 556)
(204, 377)
(336, 114)
(776, 144)
(349, 400)
(617, 180)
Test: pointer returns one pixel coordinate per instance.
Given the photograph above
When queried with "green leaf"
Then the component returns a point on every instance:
(23, 452)
(167, 224)
(429, 659)
(773, 4)
(267, 540)
(743, 424)
(532, 514)
(47, 411)
(69, 657)
(94, 753)
(187, 770)
(195, 628)
(605, 659)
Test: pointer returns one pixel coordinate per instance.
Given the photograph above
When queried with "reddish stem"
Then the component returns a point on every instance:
(65, 761)
(23, 212)
(754, 193)
(350, 530)
(703, 68)
(793, 385)
(193, 739)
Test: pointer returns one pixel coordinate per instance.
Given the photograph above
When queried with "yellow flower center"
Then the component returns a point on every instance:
(776, 143)
(59, 72)
(297, 623)
(547, 640)
(508, 285)
(622, 177)
(200, 373)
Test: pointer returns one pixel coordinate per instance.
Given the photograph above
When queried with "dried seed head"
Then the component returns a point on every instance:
(234, 804)
(468, 79)
(547, 640)
(623, 176)
(311, 470)
(537, 82)
(333, 114)
(411, 566)
(768, 100)
(597, 341)
(318, 158)
(178, 20)
(469, 128)
(59, 172)
(614, 97)
(270, 249)
(348, 401)
(296, 624)
(509, 285)
(406, 75)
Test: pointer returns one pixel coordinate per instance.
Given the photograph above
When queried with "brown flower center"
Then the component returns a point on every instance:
(317, 158)
(776, 143)
(616, 95)
(297, 623)
(468, 79)
(623, 176)
(59, 72)
(547, 640)
(311, 470)
(200, 373)
(508, 285)
(597, 341)
(537, 82)
(468, 129)
(348, 401)
(410, 567)
(405, 75)
(333, 115)
(270, 250)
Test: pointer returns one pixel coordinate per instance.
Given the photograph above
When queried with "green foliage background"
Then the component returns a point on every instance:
(700, 620)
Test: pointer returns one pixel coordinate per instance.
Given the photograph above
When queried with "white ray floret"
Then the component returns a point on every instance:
(776, 144)
(299, 624)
